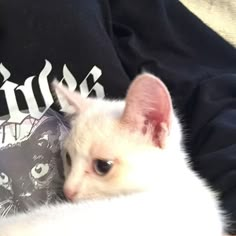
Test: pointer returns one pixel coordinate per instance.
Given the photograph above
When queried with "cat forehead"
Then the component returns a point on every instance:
(94, 126)
(112, 108)
(101, 114)
(103, 136)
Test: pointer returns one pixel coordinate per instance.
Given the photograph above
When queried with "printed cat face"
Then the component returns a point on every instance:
(110, 142)
(28, 169)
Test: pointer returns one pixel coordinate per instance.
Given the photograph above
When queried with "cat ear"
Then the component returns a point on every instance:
(71, 101)
(149, 107)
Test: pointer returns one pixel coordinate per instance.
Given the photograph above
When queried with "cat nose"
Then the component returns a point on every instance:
(70, 193)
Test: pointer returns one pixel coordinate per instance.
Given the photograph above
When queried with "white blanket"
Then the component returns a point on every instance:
(219, 15)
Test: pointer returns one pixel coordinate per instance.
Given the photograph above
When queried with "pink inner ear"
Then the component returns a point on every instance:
(72, 98)
(148, 102)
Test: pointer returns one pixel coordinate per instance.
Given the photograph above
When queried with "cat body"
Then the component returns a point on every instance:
(126, 172)
(166, 213)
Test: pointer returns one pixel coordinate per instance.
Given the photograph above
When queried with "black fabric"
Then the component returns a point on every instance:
(71, 32)
(123, 38)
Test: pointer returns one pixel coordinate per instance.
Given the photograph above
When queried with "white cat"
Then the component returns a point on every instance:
(126, 172)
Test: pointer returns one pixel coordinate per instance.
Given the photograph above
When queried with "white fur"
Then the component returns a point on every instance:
(165, 213)
(180, 204)
(160, 194)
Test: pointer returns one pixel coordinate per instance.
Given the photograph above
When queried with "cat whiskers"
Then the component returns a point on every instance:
(5, 202)
(6, 210)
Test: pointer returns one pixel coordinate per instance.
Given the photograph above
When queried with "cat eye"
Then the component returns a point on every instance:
(39, 170)
(3, 178)
(102, 167)
(68, 159)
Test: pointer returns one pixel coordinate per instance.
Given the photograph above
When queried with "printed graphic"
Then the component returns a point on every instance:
(11, 89)
(31, 171)
(31, 168)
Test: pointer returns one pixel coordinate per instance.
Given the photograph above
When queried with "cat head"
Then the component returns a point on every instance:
(113, 146)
